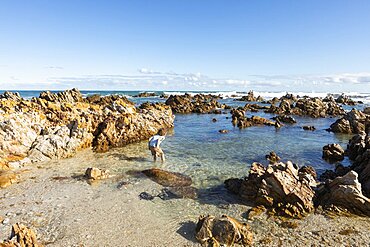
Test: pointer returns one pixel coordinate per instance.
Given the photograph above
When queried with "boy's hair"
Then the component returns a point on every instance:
(162, 132)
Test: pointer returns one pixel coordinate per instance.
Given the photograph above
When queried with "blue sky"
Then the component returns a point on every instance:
(185, 45)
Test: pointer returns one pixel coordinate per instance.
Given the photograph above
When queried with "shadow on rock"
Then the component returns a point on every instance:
(187, 230)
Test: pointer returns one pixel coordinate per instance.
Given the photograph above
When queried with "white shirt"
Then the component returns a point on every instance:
(156, 140)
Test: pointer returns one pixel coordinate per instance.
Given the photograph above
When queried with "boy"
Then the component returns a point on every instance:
(154, 143)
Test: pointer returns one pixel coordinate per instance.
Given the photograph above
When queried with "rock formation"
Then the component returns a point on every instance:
(21, 236)
(352, 123)
(96, 173)
(358, 150)
(57, 125)
(333, 152)
(223, 231)
(281, 187)
(239, 119)
(251, 97)
(344, 192)
(167, 178)
(198, 103)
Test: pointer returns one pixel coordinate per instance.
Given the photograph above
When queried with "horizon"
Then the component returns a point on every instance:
(305, 46)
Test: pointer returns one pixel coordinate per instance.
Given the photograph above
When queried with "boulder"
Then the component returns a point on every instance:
(358, 150)
(223, 231)
(278, 186)
(167, 178)
(96, 173)
(333, 152)
(285, 119)
(352, 123)
(344, 192)
(272, 157)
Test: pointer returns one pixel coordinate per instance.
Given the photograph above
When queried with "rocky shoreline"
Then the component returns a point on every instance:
(54, 126)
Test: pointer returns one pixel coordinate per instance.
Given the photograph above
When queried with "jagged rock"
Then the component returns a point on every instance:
(352, 123)
(358, 150)
(251, 97)
(167, 178)
(333, 152)
(344, 192)
(21, 236)
(239, 119)
(345, 100)
(313, 107)
(285, 119)
(308, 127)
(278, 186)
(10, 96)
(198, 103)
(70, 96)
(96, 173)
(339, 171)
(272, 157)
(225, 231)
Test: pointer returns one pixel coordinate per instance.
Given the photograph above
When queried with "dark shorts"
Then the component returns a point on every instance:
(156, 151)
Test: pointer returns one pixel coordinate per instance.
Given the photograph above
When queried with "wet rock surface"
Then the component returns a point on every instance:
(57, 125)
(167, 178)
(225, 231)
(239, 119)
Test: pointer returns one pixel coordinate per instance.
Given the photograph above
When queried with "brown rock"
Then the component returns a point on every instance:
(96, 173)
(344, 192)
(352, 123)
(7, 178)
(224, 231)
(277, 186)
(333, 152)
(272, 157)
(21, 236)
(167, 178)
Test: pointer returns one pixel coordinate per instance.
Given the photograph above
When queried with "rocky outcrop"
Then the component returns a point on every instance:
(57, 125)
(167, 178)
(198, 103)
(145, 95)
(251, 97)
(280, 187)
(223, 231)
(333, 152)
(239, 119)
(285, 119)
(352, 123)
(10, 96)
(358, 150)
(345, 100)
(21, 236)
(313, 107)
(344, 193)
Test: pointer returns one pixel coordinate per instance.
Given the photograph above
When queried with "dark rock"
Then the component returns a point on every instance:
(167, 178)
(285, 119)
(272, 157)
(145, 95)
(223, 131)
(146, 196)
(352, 123)
(333, 152)
(307, 127)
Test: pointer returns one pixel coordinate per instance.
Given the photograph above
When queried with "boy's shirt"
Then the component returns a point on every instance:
(156, 140)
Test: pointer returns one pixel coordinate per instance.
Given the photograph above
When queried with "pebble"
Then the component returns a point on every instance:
(6, 221)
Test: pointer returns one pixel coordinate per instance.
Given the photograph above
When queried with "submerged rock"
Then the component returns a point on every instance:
(225, 231)
(308, 127)
(333, 152)
(278, 186)
(344, 192)
(272, 157)
(167, 178)
(21, 236)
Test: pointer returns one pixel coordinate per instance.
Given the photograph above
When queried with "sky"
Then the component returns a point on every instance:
(230, 45)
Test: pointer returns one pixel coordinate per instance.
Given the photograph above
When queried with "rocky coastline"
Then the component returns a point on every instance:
(55, 126)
